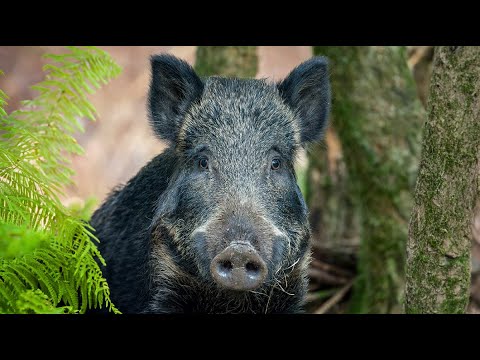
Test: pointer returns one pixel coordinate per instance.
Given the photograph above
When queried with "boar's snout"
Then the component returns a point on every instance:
(239, 267)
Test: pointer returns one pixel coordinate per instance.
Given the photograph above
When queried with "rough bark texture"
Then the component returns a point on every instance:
(438, 252)
(378, 118)
(235, 61)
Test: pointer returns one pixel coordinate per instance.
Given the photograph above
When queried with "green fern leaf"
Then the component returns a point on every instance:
(48, 258)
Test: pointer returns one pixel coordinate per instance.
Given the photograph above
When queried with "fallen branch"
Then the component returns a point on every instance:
(330, 268)
(325, 278)
(334, 299)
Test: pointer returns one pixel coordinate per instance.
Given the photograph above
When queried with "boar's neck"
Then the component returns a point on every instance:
(122, 225)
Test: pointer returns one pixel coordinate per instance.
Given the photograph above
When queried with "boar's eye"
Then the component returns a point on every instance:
(203, 163)
(275, 164)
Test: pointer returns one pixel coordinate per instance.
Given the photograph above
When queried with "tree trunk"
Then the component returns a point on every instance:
(378, 118)
(333, 219)
(438, 252)
(235, 61)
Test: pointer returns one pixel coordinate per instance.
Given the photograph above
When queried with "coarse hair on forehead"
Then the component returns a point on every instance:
(232, 107)
(178, 100)
(248, 89)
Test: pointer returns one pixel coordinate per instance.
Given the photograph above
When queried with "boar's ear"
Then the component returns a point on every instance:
(307, 91)
(174, 87)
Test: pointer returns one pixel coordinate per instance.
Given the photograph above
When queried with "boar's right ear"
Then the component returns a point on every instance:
(174, 87)
(307, 91)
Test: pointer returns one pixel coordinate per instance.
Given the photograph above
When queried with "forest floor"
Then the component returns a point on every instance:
(120, 142)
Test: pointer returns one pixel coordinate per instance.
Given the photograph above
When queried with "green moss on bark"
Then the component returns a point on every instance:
(233, 61)
(438, 251)
(333, 218)
(378, 118)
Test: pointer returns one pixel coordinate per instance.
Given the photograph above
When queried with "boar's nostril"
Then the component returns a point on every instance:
(239, 267)
(225, 266)
(252, 267)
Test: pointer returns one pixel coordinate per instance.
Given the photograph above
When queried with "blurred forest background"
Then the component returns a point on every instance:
(120, 142)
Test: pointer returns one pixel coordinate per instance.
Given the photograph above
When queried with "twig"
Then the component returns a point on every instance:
(320, 295)
(334, 299)
(323, 277)
(331, 268)
(346, 257)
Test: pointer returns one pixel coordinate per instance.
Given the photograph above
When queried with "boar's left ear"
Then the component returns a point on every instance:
(307, 91)
(174, 87)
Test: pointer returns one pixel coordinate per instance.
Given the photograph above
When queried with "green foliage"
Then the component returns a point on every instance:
(3, 100)
(48, 261)
(83, 210)
(302, 178)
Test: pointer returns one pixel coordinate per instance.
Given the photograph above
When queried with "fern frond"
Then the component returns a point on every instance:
(36, 302)
(48, 261)
(3, 100)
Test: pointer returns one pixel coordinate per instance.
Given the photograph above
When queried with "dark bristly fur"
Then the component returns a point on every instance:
(160, 232)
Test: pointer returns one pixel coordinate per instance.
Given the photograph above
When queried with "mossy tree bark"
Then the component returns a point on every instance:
(235, 61)
(333, 218)
(378, 118)
(438, 252)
